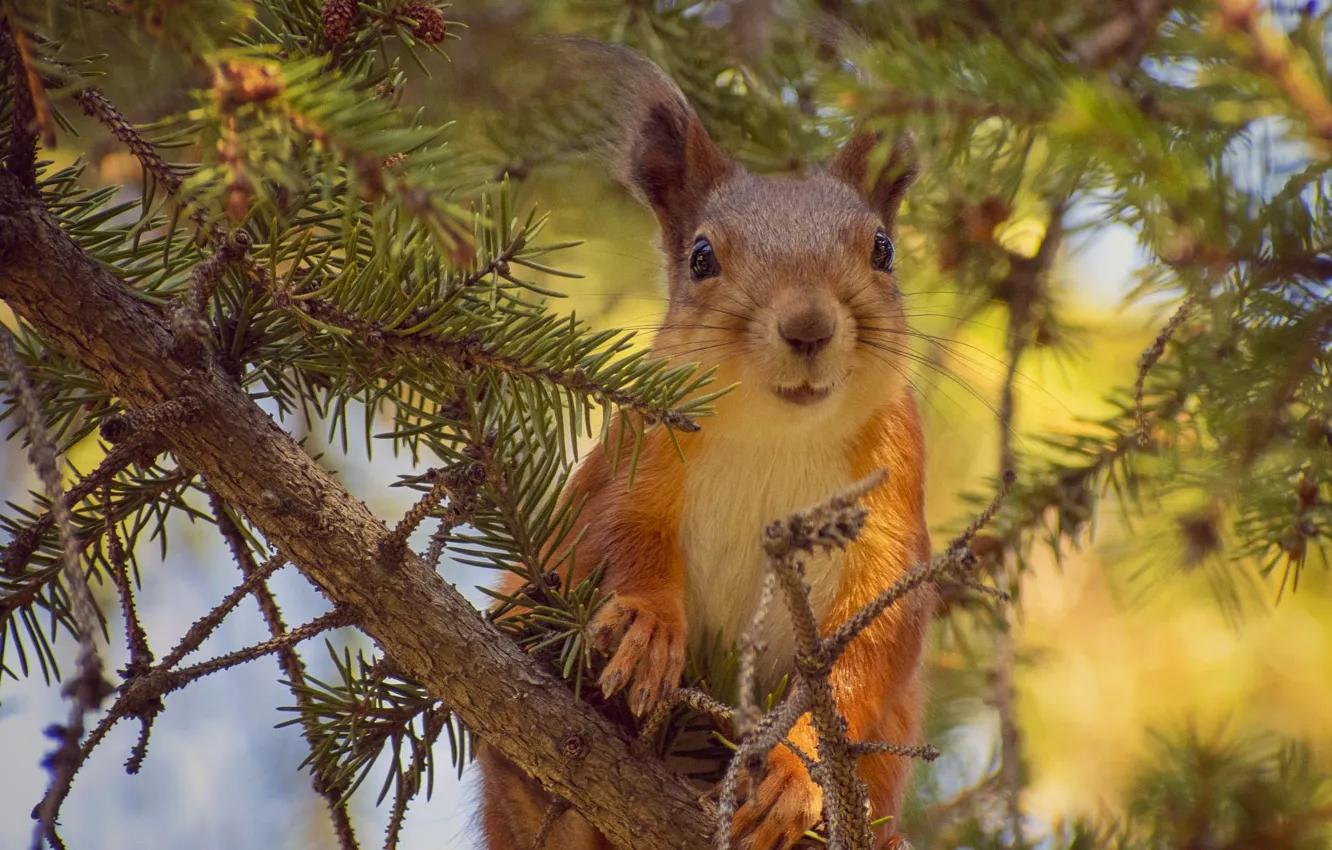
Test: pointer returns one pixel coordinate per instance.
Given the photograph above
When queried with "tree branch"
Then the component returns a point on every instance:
(288, 659)
(89, 688)
(416, 617)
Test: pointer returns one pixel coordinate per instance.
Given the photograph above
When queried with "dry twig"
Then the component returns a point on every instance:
(549, 818)
(89, 687)
(832, 525)
(288, 658)
(24, 544)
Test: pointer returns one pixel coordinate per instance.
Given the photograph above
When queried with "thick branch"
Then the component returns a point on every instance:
(416, 617)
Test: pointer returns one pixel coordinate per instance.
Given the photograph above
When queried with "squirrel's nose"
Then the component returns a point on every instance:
(807, 333)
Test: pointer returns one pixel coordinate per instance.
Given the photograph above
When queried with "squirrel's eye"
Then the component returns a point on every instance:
(882, 258)
(702, 261)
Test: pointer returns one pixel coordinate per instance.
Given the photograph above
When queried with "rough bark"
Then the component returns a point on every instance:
(427, 627)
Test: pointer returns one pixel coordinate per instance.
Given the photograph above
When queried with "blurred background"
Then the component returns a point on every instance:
(1127, 686)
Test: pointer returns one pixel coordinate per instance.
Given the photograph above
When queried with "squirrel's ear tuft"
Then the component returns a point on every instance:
(636, 120)
(673, 164)
(881, 180)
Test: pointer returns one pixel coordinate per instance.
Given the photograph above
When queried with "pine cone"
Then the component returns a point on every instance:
(429, 26)
(337, 18)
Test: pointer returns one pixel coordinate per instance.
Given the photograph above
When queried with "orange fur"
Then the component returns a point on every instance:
(794, 310)
(875, 682)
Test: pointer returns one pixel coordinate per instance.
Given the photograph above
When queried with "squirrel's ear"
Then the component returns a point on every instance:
(635, 118)
(673, 164)
(881, 181)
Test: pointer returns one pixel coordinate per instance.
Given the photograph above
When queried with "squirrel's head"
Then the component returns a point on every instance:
(785, 285)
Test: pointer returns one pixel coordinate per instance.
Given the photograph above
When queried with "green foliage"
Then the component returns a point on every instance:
(352, 722)
(391, 274)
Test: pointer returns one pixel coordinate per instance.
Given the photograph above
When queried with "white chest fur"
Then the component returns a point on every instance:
(735, 487)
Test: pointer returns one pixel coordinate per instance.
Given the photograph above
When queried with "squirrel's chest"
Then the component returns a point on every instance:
(733, 491)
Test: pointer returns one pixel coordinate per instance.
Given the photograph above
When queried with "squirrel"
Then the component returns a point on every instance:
(785, 286)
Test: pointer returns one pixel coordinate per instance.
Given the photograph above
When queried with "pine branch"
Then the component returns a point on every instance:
(90, 687)
(141, 656)
(96, 105)
(957, 558)
(860, 749)
(1010, 738)
(199, 631)
(554, 811)
(469, 353)
(288, 658)
(162, 682)
(144, 691)
(15, 557)
(458, 482)
(1026, 280)
(752, 756)
(119, 428)
(696, 700)
(189, 319)
(750, 647)
(832, 525)
(424, 624)
(1149, 359)
(141, 697)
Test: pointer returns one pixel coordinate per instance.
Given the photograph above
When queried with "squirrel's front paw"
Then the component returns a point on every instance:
(648, 640)
(787, 803)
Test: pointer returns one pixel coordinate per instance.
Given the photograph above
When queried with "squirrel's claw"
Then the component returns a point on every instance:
(788, 802)
(649, 650)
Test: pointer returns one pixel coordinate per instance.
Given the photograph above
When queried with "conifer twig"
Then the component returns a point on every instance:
(89, 687)
(141, 656)
(1010, 739)
(955, 559)
(459, 483)
(199, 631)
(288, 658)
(861, 749)
(22, 546)
(751, 757)
(692, 697)
(119, 427)
(830, 526)
(410, 784)
(1149, 359)
(189, 319)
(554, 811)
(142, 696)
(469, 353)
(162, 680)
(834, 524)
(1024, 286)
(751, 646)
(96, 105)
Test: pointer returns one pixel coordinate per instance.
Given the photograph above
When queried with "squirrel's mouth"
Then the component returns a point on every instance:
(803, 394)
